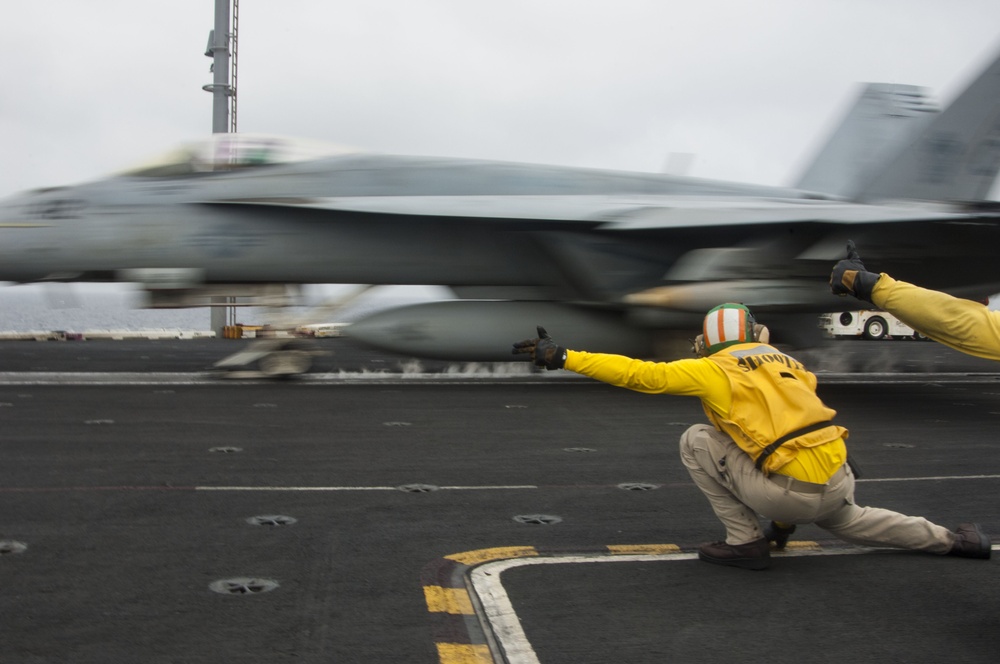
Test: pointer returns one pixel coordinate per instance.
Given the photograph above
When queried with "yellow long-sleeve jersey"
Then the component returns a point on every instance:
(964, 325)
(706, 380)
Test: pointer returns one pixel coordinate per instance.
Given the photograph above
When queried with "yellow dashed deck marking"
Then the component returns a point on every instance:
(448, 600)
(619, 549)
(486, 555)
(460, 653)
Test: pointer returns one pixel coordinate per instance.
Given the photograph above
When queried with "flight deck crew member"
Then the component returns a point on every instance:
(772, 447)
(964, 325)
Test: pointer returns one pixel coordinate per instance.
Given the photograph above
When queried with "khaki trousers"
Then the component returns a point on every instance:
(738, 492)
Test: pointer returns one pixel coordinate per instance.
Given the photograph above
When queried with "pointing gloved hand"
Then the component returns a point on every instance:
(849, 276)
(543, 350)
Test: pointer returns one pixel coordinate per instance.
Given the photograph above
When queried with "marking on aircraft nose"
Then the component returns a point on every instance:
(227, 241)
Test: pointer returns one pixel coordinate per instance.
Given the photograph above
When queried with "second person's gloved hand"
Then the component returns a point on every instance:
(849, 276)
(545, 352)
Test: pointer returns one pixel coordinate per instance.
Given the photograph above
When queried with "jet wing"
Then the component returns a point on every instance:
(626, 213)
(541, 207)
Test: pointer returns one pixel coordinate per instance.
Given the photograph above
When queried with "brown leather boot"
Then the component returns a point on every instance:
(971, 542)
(752, 555)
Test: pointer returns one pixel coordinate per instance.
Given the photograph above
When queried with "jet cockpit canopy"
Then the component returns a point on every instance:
(227, 152)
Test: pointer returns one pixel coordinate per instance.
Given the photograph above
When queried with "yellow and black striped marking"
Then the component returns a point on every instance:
(458, 634)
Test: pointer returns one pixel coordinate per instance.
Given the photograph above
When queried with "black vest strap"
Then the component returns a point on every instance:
(769, 450)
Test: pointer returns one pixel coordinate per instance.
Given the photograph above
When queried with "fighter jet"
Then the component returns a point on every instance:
(609, 261)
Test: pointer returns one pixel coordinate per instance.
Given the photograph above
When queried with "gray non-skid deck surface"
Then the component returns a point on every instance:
(101, 484)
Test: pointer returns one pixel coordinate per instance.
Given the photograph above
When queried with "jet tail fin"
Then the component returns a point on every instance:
(955, 157)
(882, 120)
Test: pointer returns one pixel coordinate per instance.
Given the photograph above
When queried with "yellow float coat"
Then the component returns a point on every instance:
(754, 406)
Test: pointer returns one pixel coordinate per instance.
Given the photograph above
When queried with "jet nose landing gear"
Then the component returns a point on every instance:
(269, 358)
(282, 363)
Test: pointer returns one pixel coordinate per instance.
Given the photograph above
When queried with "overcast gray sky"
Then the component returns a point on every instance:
(751, 88)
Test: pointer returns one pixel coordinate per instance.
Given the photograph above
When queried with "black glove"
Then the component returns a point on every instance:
(543, 350)
(849, 276)
(778, 534)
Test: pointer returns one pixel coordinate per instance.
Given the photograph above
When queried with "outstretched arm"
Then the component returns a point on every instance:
(692, 377)
(964, 325)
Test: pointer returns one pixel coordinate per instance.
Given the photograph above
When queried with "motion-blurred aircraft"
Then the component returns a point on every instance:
(606, 260)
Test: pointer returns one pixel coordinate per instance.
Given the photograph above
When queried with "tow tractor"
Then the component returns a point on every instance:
(868, 324)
